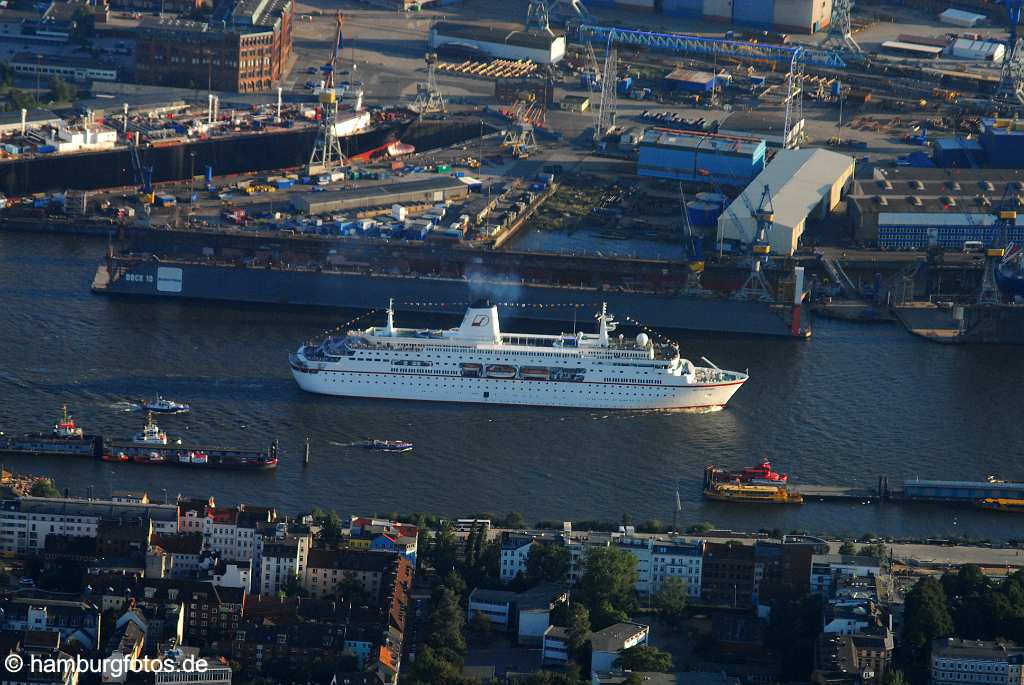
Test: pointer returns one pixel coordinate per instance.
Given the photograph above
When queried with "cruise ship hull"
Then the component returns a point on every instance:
(511, 391)
(515, 300)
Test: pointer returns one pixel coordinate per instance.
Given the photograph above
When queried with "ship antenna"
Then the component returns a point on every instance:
(391, 316)
(603, 318)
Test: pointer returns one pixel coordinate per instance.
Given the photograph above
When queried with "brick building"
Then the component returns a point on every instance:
(328, 572)
(728, 574)
(243, 50)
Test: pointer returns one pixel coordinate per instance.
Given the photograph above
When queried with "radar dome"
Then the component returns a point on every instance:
(642, 340)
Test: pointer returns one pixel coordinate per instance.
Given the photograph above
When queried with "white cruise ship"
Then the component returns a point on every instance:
(477, 362)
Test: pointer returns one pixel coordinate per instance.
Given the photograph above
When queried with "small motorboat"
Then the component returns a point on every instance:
(151, 433)
(387, 445)
(162, 405)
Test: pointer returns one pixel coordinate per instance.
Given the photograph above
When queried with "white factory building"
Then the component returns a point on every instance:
(804, 184)
(542, 48)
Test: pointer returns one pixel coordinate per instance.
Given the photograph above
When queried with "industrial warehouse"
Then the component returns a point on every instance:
(543, 48)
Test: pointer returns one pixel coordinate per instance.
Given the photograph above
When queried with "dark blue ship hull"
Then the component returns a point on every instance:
(237, 283)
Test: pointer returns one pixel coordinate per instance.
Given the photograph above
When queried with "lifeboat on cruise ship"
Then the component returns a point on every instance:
(500, 371)
(471, 370)
(535, 373)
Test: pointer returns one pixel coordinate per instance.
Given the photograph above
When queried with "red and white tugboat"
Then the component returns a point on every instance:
(66, 427)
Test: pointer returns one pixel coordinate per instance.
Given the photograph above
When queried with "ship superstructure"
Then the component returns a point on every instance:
(478, 362)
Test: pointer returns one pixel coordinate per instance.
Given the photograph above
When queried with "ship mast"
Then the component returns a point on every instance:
(391, 317)
(607, 324)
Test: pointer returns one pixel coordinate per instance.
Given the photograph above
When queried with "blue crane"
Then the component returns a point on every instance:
(1011, 79)
(143, 174)
(712, 47)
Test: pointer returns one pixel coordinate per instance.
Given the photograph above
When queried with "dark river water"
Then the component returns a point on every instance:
(853, 403)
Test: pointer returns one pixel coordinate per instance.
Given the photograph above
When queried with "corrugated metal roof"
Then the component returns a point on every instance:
(912, 47)
(691, 76)
(935, 219)
(705, 142)
(798, 180)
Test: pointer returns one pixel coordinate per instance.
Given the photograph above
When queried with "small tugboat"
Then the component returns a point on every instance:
(1015, 506)
(387, 445)
(762, 474)
(164, 406)
(66, 427)
(65, 438)
(151, 433)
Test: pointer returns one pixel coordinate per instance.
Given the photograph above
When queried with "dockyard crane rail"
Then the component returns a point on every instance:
(711, 47)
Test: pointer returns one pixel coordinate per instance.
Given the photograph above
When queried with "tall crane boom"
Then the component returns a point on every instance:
(327, 147)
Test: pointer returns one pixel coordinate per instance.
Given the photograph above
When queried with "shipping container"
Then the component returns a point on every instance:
(683, 8)
(718, 9)
(642, 5)
(759, 13)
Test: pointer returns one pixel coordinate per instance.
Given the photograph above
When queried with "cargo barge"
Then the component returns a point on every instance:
(149, 447)
(442, 278)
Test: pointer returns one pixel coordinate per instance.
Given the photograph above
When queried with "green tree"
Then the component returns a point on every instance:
(84, 24)
(670, 601)
(331, 526)
(432, 667)
(926, 614)
(577, 627)
(875, 550)
(513, 520)
(444, 549)
(548, 563)
(22, 100)
(894, 676)
(644, 658)
(607, 585)
(482, 628)
(44, 487)
(61, 90)
(444, 627)
(606, 614)
(292, 588)
(702, 527)
(6, 74)
(848, 549)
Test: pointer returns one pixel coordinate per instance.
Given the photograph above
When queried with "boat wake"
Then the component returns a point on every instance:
(125, 405)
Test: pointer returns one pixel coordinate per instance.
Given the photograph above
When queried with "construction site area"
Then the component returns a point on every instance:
(571, 128)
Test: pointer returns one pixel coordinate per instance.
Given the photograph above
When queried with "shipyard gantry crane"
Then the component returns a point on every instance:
(840, 28)
(756, 286)
(995, 250)
(1010, 92)
(428, 96)
(327, 148)
(796, 58)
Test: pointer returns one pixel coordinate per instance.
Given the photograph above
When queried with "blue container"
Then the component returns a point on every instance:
(837, 88)
(46, 149)
(625, 85)
(40, 202)
(759, 13)
(683, 8)
(305, 180)
(702, 213)
(284, 183)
